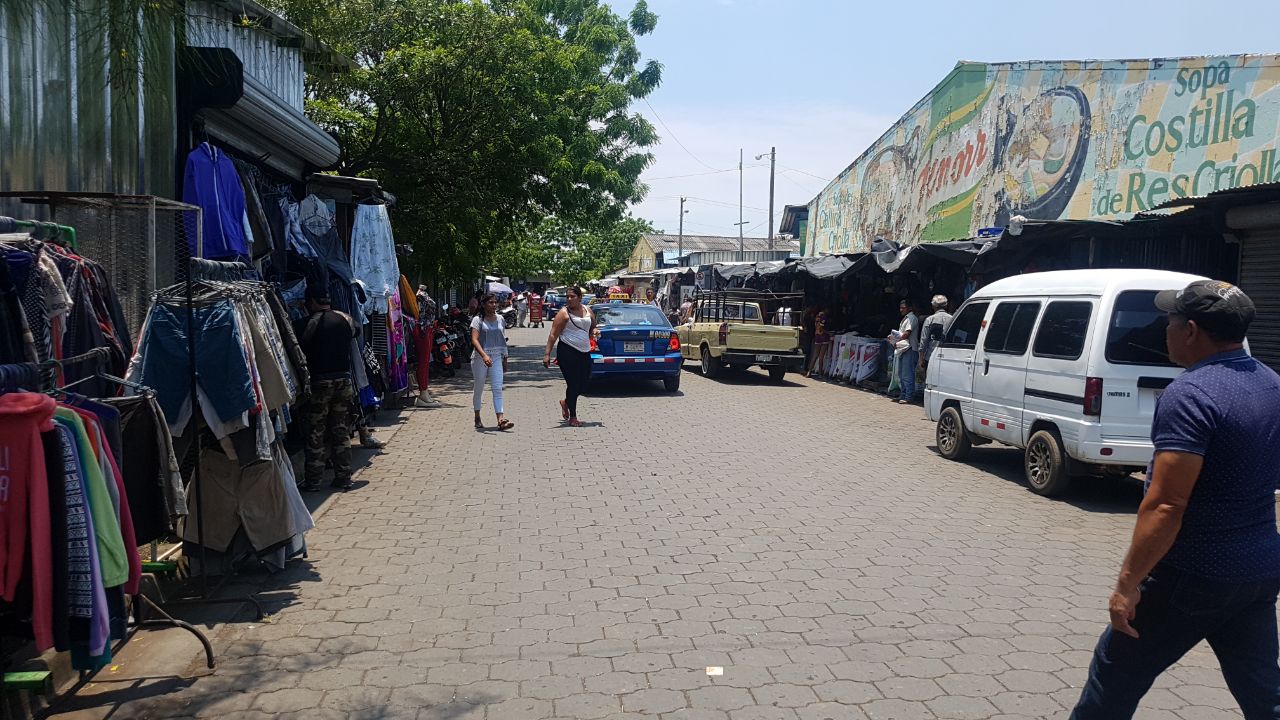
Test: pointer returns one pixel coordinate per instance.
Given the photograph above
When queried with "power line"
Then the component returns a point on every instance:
(677, 139)
(701, 174)
(802, 172)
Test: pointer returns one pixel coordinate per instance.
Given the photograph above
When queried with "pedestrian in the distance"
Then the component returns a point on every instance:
(571, 334)
(1204, 562)
(489, 359)
(907, 344)
(325, 337)
(933, 328)
(522, 309)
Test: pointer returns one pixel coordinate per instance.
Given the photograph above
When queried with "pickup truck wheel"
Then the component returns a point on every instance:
(711, 366)
(953, 440)
(671, 384)
(1045, 463)
(777, 373)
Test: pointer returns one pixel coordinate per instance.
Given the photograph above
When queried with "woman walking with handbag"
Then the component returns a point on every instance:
(489, 361)
(571, 334)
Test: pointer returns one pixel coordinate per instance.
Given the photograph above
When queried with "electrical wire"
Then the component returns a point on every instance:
(677, 139)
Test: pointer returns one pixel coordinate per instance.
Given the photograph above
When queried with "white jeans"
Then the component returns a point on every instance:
(479, 371)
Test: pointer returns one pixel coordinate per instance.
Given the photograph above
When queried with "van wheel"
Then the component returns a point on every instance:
(711, 366)
(1045, 463)
(953, 439)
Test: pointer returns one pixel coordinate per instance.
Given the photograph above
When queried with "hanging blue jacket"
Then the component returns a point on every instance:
(211, 182)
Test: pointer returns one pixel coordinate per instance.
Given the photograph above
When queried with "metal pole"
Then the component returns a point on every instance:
(680, 242)
(741, 249)
(773, 157)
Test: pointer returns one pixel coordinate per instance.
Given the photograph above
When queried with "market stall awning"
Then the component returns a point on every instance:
(893, 258)
(821, 268)
(1033, 237)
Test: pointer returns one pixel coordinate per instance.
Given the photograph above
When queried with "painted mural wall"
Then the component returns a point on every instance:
(1063, 140)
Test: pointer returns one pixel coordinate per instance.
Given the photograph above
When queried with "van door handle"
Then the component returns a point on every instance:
(986, 366)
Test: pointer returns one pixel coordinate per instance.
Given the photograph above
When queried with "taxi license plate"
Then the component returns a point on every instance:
(633, 347)
(764, 358)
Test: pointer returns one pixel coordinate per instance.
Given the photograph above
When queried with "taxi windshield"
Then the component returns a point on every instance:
(629, 315)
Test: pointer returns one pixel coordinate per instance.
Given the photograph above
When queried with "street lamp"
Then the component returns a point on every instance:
(773, 157)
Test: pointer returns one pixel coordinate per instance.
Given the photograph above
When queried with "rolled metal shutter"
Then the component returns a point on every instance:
(1260, 278)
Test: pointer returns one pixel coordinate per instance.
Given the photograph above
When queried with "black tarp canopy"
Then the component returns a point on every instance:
(893, 258)
(745, 271)
(820, 268)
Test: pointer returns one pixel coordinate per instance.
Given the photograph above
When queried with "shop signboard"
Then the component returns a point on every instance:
(1056, 140)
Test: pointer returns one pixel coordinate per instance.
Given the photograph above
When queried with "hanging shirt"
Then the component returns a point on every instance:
(24, 504)
(373, 256)
(111, 552)
(211, 182)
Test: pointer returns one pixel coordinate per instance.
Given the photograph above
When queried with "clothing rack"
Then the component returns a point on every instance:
(36, 372)
(195, 266)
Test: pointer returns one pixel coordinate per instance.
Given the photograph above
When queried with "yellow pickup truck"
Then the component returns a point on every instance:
(729, 329)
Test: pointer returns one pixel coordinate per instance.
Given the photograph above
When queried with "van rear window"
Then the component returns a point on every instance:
(1136, 334)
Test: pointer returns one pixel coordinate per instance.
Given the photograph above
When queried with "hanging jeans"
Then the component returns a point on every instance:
(479, 372)
(575, 365)
(222, 370)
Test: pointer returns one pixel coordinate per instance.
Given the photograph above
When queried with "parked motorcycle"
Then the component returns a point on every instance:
(508, 315)
(443, 349)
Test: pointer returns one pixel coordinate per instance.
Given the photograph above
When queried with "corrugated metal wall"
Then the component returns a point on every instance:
(279, 68)
(72, 117)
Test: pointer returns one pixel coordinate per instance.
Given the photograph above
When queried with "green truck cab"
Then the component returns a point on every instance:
(732, 328)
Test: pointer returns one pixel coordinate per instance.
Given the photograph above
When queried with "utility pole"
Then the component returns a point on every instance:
(680, 245)
(773, 157)
(741, 249)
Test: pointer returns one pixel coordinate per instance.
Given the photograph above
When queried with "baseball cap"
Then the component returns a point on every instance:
(1216, 306)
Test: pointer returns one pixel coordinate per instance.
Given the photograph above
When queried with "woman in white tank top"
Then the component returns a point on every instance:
(571, 335)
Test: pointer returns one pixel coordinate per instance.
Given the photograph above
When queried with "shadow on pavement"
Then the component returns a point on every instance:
(1088, 493)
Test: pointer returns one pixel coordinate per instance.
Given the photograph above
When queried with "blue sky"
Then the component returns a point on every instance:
(822, 79)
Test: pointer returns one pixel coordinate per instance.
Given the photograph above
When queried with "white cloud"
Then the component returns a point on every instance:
(818, 140)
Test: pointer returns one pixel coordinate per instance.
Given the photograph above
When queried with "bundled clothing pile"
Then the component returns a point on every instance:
(86, 482)
(250, 370)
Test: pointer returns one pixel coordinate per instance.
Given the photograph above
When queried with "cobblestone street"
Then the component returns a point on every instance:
(804, 537)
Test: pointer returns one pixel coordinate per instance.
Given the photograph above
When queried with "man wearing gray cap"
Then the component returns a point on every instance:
(1204, 562)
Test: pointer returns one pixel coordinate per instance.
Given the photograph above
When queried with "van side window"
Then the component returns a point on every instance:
(1136, 335)
(1063, 330)
(1010, 330)
(964, 329)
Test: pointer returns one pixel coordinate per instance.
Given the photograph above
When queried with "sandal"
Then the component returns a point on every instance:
(505, 424)
(575, 422)
(564, 409)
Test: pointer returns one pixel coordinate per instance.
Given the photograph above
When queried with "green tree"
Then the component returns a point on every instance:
(485, 117)
(575, 253)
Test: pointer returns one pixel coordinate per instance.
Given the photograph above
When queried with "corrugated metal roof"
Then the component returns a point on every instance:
(706, 243)
(1230, 195)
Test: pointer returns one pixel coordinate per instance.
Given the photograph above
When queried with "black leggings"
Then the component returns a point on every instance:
(575, 365)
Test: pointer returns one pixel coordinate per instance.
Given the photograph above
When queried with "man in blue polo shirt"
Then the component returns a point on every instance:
(1204, 563)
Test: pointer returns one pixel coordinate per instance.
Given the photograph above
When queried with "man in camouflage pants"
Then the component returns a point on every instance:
(325, 337)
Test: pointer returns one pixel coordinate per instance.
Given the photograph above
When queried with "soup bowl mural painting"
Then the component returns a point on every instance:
(1053, 140)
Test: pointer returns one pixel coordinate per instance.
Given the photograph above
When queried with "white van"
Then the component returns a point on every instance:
(1067, 365)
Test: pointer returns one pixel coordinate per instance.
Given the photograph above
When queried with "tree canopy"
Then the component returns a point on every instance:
(572, 253)
(484, 118)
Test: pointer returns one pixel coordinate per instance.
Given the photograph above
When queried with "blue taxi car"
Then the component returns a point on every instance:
(636, 340)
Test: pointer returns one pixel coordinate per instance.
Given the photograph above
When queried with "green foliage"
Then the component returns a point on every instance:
(575, 253)
(485, 117)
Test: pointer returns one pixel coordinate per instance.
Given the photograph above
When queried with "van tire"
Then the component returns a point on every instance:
(953, 440)
(712, 367)
(1045, 464)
